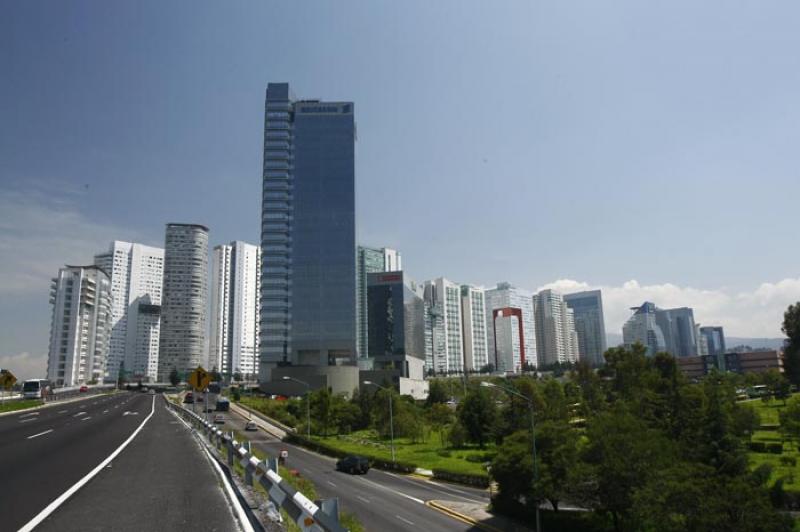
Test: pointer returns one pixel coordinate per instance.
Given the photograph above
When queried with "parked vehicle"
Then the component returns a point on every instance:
(354, 465)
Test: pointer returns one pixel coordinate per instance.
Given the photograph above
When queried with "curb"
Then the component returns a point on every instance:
(461, 517)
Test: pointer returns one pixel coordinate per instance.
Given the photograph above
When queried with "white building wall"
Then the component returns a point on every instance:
(473, 312)
(443, 303)
(508, 358)
(136, 274)
(235, 308)
(557, 340)
(80, 326)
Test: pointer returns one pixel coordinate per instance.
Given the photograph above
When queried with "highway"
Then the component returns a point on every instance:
(381, 500)
(160, 481)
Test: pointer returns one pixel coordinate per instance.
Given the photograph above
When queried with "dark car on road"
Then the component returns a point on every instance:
(354, 465)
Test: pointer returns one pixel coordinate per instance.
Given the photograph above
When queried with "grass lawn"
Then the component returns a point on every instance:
(18, 404)
(769, 417)
(427, 455)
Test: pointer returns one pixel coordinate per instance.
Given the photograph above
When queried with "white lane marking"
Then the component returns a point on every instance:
(29, 414)
(364, 499)
(331, 483)
(26, 420)
(404, 520)
(40, 434)
(386, 488)
(87, 417)
(53, 506)
(79, 414)
(62, 411)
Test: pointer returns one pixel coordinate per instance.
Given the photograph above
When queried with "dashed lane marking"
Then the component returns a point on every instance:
(87, 417)
(40, 434)
(403, 519)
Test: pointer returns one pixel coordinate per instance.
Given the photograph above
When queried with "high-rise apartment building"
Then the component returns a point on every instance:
(184, 295)
(444, 351)
(587, 308)
(473, 317)
(510, 330)
(556, 338)
(370, 260)
(80, 329)
(136, 273)
(308, 251)
(234, 309)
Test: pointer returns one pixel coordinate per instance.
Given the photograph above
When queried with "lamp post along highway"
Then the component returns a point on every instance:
(308, 403)
(487, 384)
(391, 416)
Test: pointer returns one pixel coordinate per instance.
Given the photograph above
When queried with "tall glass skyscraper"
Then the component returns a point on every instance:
(370, 260)
(308, 275)
(589, 324)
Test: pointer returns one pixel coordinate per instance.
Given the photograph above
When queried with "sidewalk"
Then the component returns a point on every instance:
(161, 481)
(477, 515)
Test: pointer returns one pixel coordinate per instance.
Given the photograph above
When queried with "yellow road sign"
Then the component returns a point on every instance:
(199, 379)
(7, 379)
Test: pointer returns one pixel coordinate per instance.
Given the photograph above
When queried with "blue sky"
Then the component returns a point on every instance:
(574, 144)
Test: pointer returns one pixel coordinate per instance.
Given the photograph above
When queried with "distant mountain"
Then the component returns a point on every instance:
(614, 339)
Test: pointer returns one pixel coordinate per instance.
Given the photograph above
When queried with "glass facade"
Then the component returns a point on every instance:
(587, 308)
(396, 315)
(308, 276)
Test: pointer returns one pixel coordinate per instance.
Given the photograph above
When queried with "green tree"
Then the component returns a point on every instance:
(477, 412)
(790, 421)
(512, 469)
(174, 378)
(439, 417)
(364, 400)
(322, 410)
(592, 395)
(622, 453)
(557, 460)
(746, 420)
(791, 328)
(437, 392)
(457, 435)
(778, 386)
(345, 414)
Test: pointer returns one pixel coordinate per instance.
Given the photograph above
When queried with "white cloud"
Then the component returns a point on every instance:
(40, 232)
(756, 313)
(25, 365)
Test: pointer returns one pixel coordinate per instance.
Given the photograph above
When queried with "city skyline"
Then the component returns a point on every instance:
(75, 170)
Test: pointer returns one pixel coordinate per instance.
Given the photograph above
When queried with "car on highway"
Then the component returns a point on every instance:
(151, 391)
(250, 425)
(353, 464)
(219, 418)
(188, 398)
(83, 389)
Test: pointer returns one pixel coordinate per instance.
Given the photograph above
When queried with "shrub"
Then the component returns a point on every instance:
(758, 446)
(377, 462)
(444, 453)
(471, 479)
(789, 460)
(775, 448)
(457, 435)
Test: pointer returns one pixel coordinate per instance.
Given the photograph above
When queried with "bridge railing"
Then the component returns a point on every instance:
(310, 516)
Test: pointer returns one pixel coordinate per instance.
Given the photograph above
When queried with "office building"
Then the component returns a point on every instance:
(715, 339)
(233, 349)
(370, 260)
(184, 296)
(136, 273)
(643, 327)
(80, 330)
(308, 252)
(679, 330)
(587, 309)
(556, 338)
(444, 353)
(396, 313)
(510, 329)
(473, 317)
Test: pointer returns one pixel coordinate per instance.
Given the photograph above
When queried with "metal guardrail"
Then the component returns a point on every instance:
(320, 516)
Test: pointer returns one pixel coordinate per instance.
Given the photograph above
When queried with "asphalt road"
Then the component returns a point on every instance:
(161, 479)
(382, 501)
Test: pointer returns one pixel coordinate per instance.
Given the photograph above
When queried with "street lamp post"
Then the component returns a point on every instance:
(527, 399)
(308, 403)
(391, 416)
